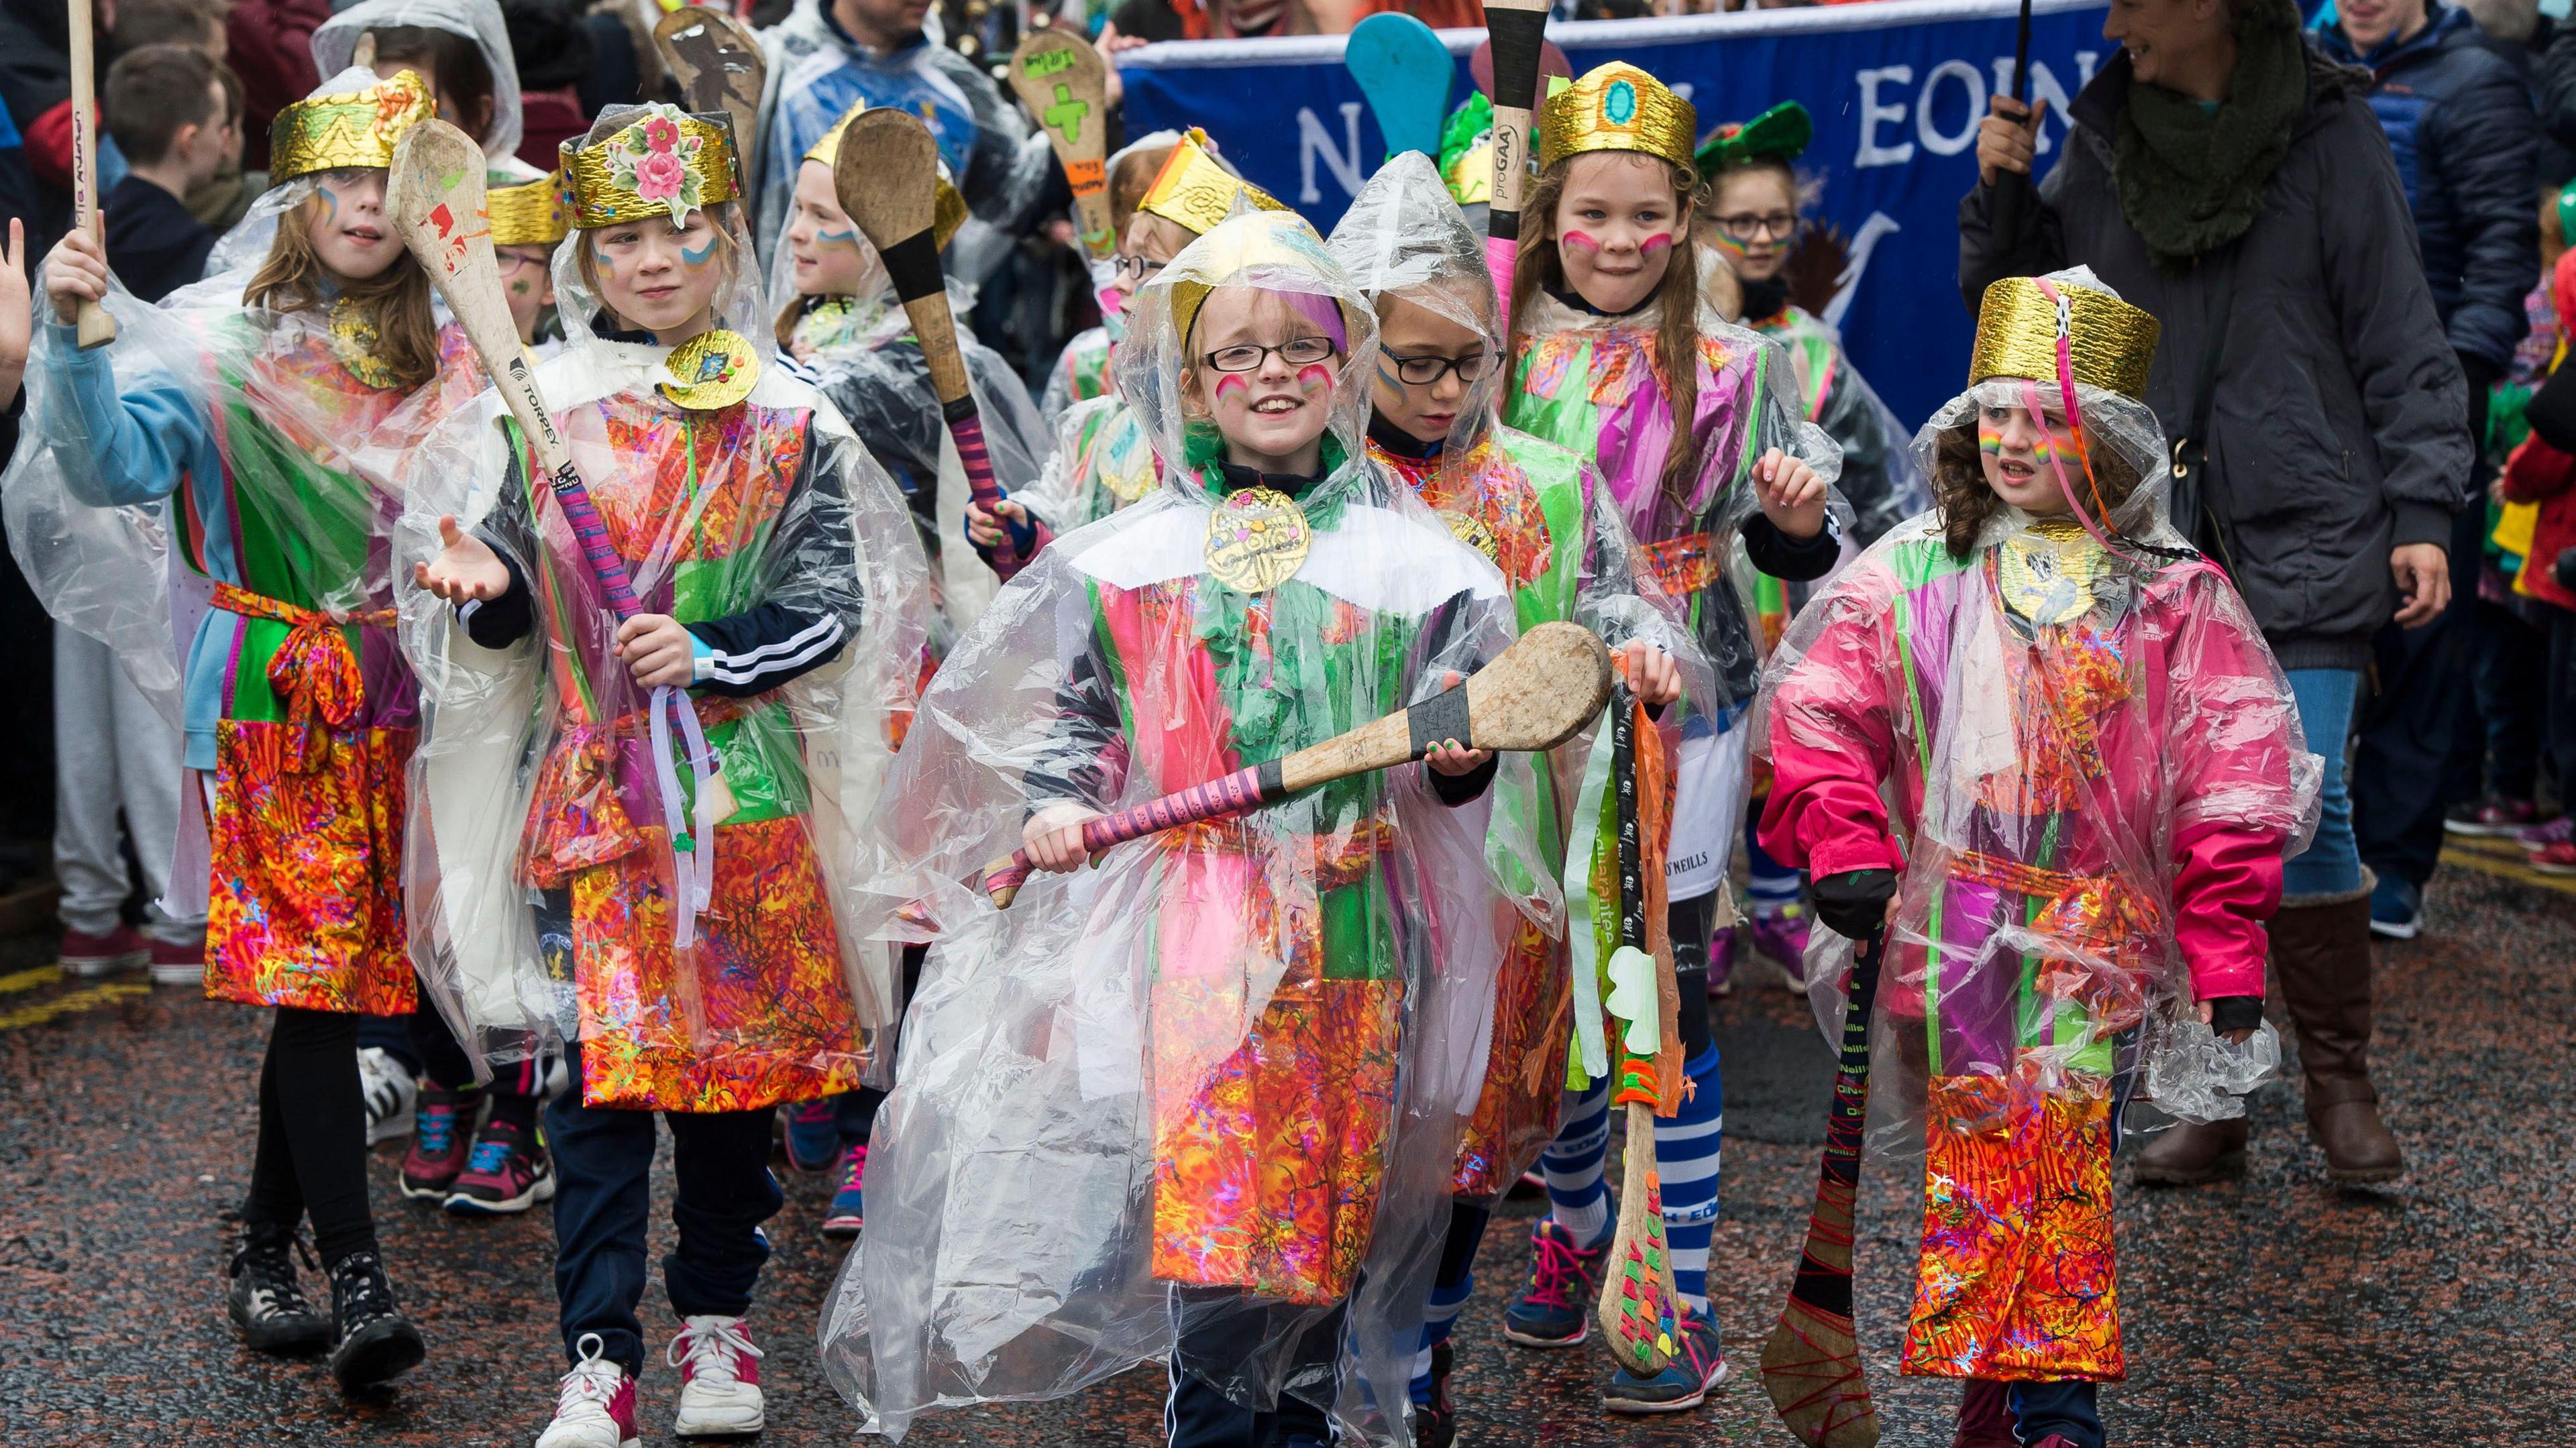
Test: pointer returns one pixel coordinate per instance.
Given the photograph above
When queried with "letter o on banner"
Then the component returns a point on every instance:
(1929, 134)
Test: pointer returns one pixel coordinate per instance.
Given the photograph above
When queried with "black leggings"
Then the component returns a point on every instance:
(1692, 922)
(312, 1157)
(447, 1067)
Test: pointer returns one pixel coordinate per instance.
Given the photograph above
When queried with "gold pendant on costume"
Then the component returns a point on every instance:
(2048, 570)
(1257, 540)
(712, 370)
(1471, 530)
(353, 343)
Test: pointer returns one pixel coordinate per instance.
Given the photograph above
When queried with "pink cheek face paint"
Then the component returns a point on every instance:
(1656, 245)
(1580, 241)
(1314, 377)
(1230, 384)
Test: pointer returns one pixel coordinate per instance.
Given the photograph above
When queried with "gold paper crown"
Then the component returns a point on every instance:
(2109, 343)
(1616, 107)
(947, 213)
(1283, 239)
(624, 178)
(531, 214)
(1193, 190)
(347, 129)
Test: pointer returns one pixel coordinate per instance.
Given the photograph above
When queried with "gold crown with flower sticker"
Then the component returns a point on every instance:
(1615, 107)
(347, 130)
(667, 162)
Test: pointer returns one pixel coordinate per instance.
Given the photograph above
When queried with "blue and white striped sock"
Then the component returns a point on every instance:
(1686, 1151)
(1576, 1195)
(1770, 886)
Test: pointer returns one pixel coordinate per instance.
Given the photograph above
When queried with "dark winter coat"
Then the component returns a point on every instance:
(2460, 121)
(2339, 429)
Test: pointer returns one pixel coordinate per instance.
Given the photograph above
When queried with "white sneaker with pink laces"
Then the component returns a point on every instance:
(594, 1404)
(719, 1378)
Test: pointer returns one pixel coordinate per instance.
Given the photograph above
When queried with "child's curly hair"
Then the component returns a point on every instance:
(1966, 503)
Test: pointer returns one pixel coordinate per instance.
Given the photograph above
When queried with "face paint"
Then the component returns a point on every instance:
(849, 238)
(1990, 437)
(330, 203)
(1231, 381)
(1740, 248)
(699, 257)
(518, 289)
(1581, 240)
(1313, 377)
(1661, 241)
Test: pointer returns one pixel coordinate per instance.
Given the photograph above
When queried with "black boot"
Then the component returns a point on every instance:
(376, 1342)
(1435, 1423)
(264, 1301)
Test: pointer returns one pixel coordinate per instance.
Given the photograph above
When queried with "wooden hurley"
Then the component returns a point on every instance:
(1516, 29)
(1534, 696)
(887, 175)
(1811, 1367)
(93, 325)
(720, 68)
(1639, 1310)
(1065, 84)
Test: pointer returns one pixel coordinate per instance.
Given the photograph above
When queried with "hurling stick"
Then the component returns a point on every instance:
(94, 326)
(720, 68)
(1064, 83)
(1639, 1304)
(1405, 73)
(1811, 1367)
(1516, 29)
(887, 175)
(1534, 696)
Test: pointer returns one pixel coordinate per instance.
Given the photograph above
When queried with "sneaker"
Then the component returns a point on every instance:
(2541, 837)
(848, 1212)
(87, 957)
(2396, 909)
(813, 1136)
(594, 1404)
(1555, 1310)
(389, 1090)
(1698, 1365)
(1721, 962)
(265, 1302)
(1780, 937)
(719, 1378)
(2494, 815)
(1435, 1421)
(440, 1127)
(504, 1174)
(375, 1342)
(2558, 859)
(179, 964)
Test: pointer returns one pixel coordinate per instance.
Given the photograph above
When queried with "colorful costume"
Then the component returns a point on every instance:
(2095, 767)
(1192, 1102)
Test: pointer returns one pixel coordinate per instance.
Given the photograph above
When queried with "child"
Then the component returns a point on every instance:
(686, 945)
(1543, 516)
(528, 221)
(1199, 1103)
(1082, 372)
(169, 115)
(2047, 746)
(249, 398)
(837, 316)
(461, 47)
(1750, 227)
(1687, 418)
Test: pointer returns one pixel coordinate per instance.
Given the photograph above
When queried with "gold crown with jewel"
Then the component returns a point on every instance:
(947, 213)
(347, 130)
(667, 162)
(2109, 344)
(1196, 192)
(532, 214)
(1615, 107)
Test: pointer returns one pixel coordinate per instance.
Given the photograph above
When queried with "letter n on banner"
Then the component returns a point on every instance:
(1313, 141)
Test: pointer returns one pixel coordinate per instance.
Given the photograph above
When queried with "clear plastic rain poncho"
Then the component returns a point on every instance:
(1194, 1099)
(1880, 477)
(335, 44)
(2092, 766)
(668, 885)
(863, 356)
(1546, 519)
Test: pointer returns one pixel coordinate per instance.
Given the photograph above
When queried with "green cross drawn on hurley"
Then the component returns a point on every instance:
(1067, 113)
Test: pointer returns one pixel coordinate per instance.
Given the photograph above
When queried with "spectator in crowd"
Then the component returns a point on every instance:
(554, 52)
(272, 51)
(219, 200)
(2542, 471)
(167, 107)
(197, 24)
(2461, 125)
(36, 86)
(2232, 180)
(1143, 22)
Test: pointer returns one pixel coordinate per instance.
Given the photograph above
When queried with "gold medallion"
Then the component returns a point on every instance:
(714, 369)
(2047, 571)
(353, 342)
(1471, 530)
(1257, 540)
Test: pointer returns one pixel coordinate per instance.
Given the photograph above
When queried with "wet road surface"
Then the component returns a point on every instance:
(2278, 1310)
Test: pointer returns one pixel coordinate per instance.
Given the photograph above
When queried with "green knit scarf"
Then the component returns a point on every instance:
(2191, 180)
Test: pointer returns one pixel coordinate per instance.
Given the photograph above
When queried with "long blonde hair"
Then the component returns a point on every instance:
(395, 301)
(1676, 329)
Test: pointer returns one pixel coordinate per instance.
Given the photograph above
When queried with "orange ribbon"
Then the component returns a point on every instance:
(314, 671)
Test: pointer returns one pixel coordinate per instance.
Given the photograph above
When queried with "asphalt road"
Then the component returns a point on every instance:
(2279, 1310)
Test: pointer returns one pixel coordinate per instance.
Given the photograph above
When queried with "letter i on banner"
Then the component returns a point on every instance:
(1516, 29)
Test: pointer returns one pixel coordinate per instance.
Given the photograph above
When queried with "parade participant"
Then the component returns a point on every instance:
(837, 317)
(1694, 426)
(1235, 1154)
(1542, 514)
(688, 948)
(1751, 226)
(246, 399)
(1104, 457)
(528, 222)
(1082, 372)
(460, 47)
(2091, 767)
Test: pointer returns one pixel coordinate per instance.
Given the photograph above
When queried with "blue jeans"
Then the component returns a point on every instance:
(2332, 865)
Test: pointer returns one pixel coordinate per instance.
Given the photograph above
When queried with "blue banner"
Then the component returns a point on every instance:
(1896, 89)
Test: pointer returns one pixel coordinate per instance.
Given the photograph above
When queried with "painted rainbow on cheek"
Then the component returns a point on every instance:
(1990, 438)
(1580, 239)
(1314, 377)
(849, 238)
(699, 257)
(1740, 248)
(1661, 241)
(1231, 382)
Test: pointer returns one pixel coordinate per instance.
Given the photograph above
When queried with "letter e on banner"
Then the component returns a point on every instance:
(1873, 114)
(1312, 141)
(1931, 135)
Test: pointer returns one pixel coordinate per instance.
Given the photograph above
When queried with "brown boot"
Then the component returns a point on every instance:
(2322, 954)
(2192, 1152)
